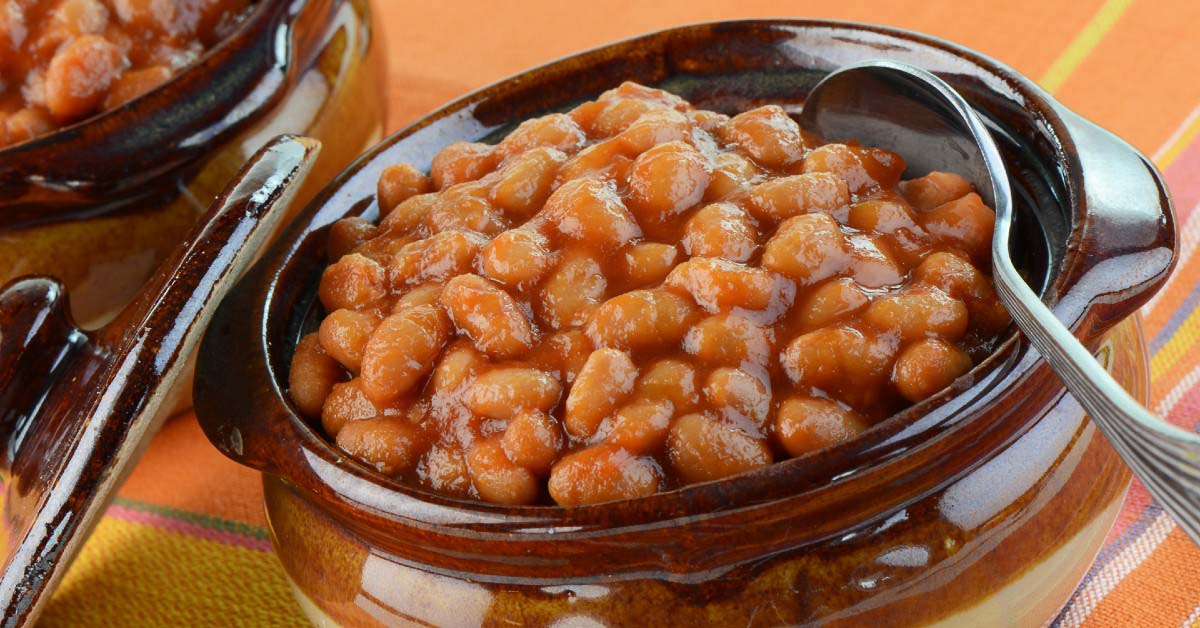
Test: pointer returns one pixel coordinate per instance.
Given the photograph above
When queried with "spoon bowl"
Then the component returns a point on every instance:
(916, 114)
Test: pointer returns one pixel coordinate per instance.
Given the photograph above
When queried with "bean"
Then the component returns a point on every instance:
(813, 193)
(26, 124)
(605, 162)
(964, 222)
(602, 473)
(411, 217)
(862, 168)
(533, 440)
(573, 290)
(555, 131)
(391, 445)
(640, 426)
(134, 84)
(717, 284)
(702, 450)
(517, 257)
(657, 126)
(399, 183)
(808, 249)
(401, 350)
(458, 366)
(732, 173)
(80, 75)
(346, 402)
(461, 161)
(629, 90)
(805, 424)
(496, 478)
(466, 207)
(933, 189)
(423, 295)
(348, 234)
(354, 282)
(443, 469)
(830, 302)
(670, 380)
(741, 398)
(502, 392)
(647, 263)
(641, 319)
(667, 180)
(916, 315)
(605, 380)
(883, 216)
(730, 339)
(436, 258)
(721, 230)
(927, 366)
(837, 358)
(589, 211)
(488, 315)
(873, 265)
(312, 376)
(708, 121)
(618, 116)
(344, 335)
(767, 135)
(564, 354)
(525, 184)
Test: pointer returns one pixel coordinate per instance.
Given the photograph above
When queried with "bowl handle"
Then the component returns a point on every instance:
(1128, 241)
(77, 408)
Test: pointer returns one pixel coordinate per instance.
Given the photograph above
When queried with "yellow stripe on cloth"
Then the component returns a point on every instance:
(1083, 44)
(129, 574)
(1181, 139)
(1184, 340)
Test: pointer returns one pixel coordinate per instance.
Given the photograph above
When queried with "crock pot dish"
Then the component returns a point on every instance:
(62, 61)
(638, 295)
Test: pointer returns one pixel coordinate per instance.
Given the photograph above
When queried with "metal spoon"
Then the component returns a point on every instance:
(916, 114)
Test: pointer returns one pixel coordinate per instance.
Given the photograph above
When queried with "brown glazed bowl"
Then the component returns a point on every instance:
(99, 204)
(983, 504)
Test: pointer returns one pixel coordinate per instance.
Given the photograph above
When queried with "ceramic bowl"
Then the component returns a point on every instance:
(985, 503)
(99, 204)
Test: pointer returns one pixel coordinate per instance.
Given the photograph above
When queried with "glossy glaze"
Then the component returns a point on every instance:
(798, 540)
(100, 203)
(78, 407)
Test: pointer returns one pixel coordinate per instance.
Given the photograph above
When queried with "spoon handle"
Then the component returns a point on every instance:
(1164, 457)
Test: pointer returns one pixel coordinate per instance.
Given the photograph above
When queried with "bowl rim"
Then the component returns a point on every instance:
(365, 498)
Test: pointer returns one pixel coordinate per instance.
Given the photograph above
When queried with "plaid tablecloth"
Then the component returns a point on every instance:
(185, 542)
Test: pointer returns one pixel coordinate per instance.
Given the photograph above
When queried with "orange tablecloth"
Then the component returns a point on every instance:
(185, 543)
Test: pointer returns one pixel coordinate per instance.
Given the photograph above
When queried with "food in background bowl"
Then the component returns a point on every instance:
(639, 295)
(65, 60)
(99, 202)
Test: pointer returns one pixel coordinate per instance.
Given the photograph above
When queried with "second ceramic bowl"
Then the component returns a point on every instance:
(99, 204)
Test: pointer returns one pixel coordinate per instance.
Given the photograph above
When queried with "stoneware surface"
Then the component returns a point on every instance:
(101, 203)
(986, 502)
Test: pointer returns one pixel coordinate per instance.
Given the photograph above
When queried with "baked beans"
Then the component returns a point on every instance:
(65, 60)
(637, 295)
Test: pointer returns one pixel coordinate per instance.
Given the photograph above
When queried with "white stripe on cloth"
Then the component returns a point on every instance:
(1192, 619)
(1111, 575)
(1140, 548)
(1176, 135)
